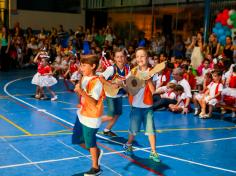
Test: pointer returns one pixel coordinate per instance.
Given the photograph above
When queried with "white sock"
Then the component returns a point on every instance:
(128, 144)
(106, 130)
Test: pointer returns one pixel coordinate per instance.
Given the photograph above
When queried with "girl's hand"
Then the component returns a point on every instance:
(6, 51)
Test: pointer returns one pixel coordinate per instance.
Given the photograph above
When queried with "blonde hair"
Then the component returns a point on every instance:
(171, 85)
(141, 48)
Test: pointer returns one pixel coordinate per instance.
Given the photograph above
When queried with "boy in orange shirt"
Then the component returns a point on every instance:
(141, 107)
(89, 115)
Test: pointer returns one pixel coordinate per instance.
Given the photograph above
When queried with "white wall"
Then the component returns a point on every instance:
(38, 19)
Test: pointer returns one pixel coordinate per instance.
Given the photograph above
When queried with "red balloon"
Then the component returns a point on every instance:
(224, 23)
(226, 11)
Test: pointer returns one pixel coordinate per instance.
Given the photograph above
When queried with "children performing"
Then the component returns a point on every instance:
(89, 115)
(109, 77)
(141, 107)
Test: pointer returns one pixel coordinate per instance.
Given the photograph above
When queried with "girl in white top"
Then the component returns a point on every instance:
(181, 98)
(212, 95)
(159, 79)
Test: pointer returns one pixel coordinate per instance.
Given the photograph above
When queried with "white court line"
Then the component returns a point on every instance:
(172, 157)
(54, 160)
(71, 148)
(18, 151)
(102, 137)
(39, 162)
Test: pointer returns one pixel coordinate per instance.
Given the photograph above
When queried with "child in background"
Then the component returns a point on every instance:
(141, 107)
(56, 66)
(189, 76)
(212, 95)
(88, 118)
(203, 70)
(47, 80)
(36, 77)
(76, 76)
(73, 71)
(198, 96)
(114, 102)
(167, 96)
(159, 79)
(180, 97)
(229, 93)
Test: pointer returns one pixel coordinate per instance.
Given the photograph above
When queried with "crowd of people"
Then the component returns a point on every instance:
(194, 60)
(197, 75)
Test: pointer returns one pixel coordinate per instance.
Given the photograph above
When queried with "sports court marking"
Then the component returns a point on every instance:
(15, 125)
(184, 129)
(23, 155)
(102, 137)
(71, 148)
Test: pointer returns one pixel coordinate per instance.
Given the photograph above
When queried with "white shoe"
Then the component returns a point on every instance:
(196, 112)
(233, 115)
(54, 98)
(202, 116)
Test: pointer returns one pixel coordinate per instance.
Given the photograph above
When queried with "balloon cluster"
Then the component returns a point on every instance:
(225, 21)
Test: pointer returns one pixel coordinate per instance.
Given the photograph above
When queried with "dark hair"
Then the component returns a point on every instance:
(90, 59)
(179, 88)
(206, 60)
(184, 66)
(217, 72)
(228, 36)
(209, 75)
(164, 54)
(234, 68)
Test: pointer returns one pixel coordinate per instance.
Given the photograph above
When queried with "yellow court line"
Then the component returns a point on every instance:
(36, 135)
(15, 125)
(60, 131)
(181, 129)
(67, 103)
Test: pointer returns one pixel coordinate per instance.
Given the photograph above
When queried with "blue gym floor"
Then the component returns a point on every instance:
(35, 138)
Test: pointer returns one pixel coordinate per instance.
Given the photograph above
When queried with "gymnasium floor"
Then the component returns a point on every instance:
(35, 138)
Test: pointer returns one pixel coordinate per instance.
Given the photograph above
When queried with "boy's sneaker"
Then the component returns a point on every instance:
(155, 157)
(54, 98)
(128, 149)
(93, 172)
(109, 133)
(100, 156)
(202, 116)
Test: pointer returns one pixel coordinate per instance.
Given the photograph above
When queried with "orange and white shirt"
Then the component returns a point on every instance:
(96, 92)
